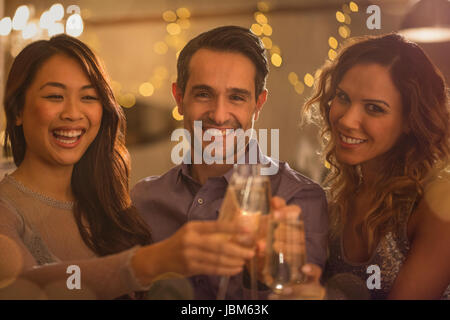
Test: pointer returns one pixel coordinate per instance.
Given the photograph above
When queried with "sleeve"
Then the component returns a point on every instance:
(315, 214)
(97, 278)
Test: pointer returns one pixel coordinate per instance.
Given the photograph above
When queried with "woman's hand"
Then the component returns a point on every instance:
(199, 247)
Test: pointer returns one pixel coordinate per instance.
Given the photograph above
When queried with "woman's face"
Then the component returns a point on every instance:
(366, 114)
(62, 113)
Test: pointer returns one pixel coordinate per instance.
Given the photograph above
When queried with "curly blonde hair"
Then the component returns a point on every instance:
(416, 154)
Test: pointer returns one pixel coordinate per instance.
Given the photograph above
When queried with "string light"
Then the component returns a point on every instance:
(50, 20)
(343, 30)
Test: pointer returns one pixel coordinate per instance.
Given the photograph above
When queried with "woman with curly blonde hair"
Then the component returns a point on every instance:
(384, 113)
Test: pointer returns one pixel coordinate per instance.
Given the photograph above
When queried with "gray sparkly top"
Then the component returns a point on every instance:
(46, 234)
(349, 280)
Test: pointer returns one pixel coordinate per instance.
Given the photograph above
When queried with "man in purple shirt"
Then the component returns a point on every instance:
(221, 82)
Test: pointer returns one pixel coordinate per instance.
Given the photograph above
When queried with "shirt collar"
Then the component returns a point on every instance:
(253, 143)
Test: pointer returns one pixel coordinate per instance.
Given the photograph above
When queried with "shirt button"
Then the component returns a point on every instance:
(200, 201)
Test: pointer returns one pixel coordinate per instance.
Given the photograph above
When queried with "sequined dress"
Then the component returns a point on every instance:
(349, 280)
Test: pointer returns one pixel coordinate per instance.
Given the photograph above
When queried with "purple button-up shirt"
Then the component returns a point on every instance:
(167, 202)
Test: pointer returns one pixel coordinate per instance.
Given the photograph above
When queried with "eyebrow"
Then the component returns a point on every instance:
(368, 100)
(63, 86)
(233, 90)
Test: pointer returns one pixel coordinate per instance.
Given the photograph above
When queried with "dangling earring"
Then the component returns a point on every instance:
(360, 174)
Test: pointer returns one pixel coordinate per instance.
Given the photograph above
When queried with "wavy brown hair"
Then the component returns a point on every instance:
(418, 153)
(106, 219)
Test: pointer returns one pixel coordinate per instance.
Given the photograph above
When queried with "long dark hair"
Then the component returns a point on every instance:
(106, 219)
(417, 154)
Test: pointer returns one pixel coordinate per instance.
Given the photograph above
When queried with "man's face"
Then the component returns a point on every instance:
(220, 92)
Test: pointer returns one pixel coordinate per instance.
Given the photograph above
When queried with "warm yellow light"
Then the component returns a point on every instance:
(169, 16)
(183, 13)
(176, 115)
(276, 59)
(57, 12)
(184, 23)
(263, 6)
(20, 18)
(309, 80)
(256, 29)
(267, 30)
(260, 18)
(116, 87)
(173, 29)
(74, 25)
(340, 16)
(293, 78)
(347, 20)
(332, 42)
(275, 49)
(5, 26)
(353, 6)
(29, 31)
(332, 54)
(55, 28)
(127, 100)
(267, 42)
(344, 31)
(160, 47)
(327, 164)
(146, 89)
(346, 8)
(299, 87)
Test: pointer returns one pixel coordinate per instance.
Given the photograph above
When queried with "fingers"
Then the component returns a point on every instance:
(291, 212)
(312, 271)
(277, 202)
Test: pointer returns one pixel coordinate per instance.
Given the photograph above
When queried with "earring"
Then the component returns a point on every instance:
(360, 174)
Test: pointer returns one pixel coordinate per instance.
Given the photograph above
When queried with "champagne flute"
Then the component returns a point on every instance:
(247, 198)
(285, 257)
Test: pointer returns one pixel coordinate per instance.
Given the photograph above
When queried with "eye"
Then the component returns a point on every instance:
(91, 98)
(202, 94)
(342, 96)
(373, 108)
(54, 97)
(236, 97)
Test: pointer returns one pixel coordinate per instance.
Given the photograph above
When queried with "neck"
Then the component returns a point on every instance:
(201, 172)
(52, 181)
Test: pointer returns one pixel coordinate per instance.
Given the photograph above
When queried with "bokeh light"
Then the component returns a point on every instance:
(146, 89)
(293, 78)
(353, 6)
(333, 43)
(309, 80)
(173, 29)
(5, 26)
(127, 100)
(276, 59)
(267, 30)
(340, 16)
(169, 16)
(183, 13)
(344, 31)
(176, 115)
(256, 29)
(20, 18)
(260, 18)
(332, 54)
(267, 42)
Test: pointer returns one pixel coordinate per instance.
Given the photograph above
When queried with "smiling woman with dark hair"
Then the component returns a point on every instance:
(384, 111)
(68, 202)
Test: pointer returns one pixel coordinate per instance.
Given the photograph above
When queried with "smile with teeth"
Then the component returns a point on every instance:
(67, 136)
(350, 140)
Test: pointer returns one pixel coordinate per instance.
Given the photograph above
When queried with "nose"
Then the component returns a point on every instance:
(220, 112)
(71, 110)
(351, 117)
